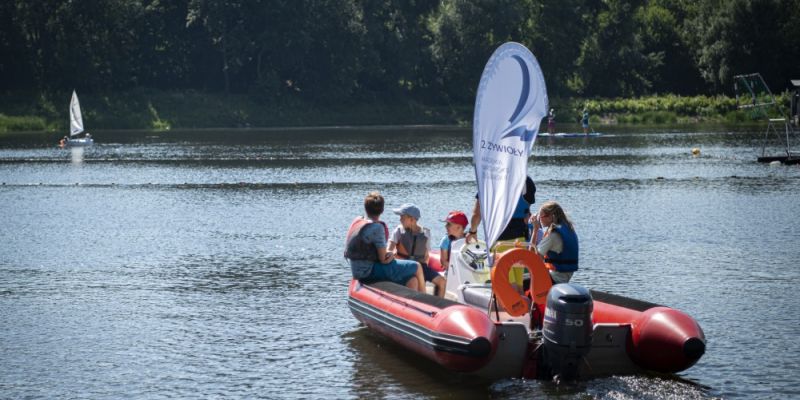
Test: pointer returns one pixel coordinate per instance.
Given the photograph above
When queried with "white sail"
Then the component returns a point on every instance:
(509, 106)
(75, 118)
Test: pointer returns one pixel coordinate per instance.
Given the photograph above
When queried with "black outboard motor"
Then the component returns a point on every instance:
(567, 329)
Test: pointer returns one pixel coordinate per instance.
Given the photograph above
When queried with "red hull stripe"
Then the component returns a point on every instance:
(437, 341)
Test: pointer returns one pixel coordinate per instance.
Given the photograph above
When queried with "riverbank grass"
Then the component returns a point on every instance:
(158, 110)
(22, 123)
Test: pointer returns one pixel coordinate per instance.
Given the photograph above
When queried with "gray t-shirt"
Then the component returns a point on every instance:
(373, 233)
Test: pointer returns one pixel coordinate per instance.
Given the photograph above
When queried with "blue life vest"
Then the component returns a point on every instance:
(517, 226)
(523, 207)
(567, 260)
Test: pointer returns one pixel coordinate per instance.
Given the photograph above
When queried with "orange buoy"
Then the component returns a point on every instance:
(514, 303)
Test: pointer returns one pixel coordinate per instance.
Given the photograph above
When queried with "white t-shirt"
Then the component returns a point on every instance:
(551, 242)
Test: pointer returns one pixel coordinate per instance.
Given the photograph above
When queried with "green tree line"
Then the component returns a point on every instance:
(363, 51)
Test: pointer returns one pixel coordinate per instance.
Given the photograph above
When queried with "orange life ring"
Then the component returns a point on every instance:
(514, 303)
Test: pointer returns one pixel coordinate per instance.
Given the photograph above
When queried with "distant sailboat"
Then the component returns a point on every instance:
(76, 126)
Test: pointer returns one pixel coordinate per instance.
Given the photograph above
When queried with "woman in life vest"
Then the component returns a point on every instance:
(559, 246)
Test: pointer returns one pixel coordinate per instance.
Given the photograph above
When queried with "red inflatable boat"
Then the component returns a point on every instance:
(456, 336)
(484, 325)
(560, 331)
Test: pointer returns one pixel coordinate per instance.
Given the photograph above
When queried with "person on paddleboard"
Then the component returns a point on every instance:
(585, 121)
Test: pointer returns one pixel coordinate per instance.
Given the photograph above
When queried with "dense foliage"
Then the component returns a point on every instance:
(362, 51)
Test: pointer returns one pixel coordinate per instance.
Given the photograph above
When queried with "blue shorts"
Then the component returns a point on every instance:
(430, 273)
(397, 271)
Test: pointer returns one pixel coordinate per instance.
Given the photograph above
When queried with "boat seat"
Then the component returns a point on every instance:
(477, 294)
(480, 296)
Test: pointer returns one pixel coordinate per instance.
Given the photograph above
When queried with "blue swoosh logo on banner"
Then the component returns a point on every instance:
(523, 97)
(524, 134)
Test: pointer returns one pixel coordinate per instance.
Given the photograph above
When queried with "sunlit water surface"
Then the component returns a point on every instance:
(205, 264)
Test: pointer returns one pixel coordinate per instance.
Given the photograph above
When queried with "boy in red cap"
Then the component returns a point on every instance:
(456, 225)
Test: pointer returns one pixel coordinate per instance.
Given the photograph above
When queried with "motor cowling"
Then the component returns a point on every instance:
(567, 329)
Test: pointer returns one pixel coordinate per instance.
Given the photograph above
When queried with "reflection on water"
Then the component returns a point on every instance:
(209, 265)
(617, 387)
(76, 154)
(382, 369)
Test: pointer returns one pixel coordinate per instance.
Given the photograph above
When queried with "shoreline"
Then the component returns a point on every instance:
(169, 111)
(571, 128)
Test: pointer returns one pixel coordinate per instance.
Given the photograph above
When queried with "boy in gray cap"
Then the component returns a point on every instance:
(413, 242)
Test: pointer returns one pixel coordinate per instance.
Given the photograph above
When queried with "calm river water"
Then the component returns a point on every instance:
(209, 264)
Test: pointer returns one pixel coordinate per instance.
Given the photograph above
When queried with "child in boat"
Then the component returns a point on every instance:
(365, 248)
(456, 225)
(413, 242)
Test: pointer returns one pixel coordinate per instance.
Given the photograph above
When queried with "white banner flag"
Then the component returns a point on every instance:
(509, 106)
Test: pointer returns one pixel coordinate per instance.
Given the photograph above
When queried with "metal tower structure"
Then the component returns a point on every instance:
(753, 93)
